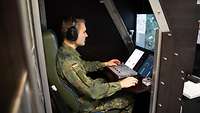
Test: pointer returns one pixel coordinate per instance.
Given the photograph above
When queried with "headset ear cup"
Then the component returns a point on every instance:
(72, 34)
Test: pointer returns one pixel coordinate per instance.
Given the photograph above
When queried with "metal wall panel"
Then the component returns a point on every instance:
(177, 52)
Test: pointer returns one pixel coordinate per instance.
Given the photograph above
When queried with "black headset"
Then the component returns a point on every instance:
(72, 33)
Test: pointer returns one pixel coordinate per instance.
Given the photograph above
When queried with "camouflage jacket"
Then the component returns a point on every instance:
(73, 69)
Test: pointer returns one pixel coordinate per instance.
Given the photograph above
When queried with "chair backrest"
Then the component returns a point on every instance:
(66, 93)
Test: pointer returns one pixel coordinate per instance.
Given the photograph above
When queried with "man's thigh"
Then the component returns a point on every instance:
(117, 101)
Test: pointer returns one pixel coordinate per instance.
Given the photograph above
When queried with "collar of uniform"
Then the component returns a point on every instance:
(70, 50)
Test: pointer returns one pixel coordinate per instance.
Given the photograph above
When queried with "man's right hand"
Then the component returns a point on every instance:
(128, 82)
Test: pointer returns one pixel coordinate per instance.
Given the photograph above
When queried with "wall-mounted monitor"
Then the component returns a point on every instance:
(146, 26)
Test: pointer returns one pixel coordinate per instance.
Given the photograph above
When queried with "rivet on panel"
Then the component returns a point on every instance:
(165, 58)
(169, 34)
(176, 54)
(162, 83)
(160, 105)
(182, 72)
(179, 99)
(188, 75)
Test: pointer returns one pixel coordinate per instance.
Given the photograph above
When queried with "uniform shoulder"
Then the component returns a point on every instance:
(61, 53)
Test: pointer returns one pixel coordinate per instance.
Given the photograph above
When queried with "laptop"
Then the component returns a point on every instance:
(126, 70)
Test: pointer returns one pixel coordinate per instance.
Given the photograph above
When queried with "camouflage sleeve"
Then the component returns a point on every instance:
(95, 90)
(91, 66)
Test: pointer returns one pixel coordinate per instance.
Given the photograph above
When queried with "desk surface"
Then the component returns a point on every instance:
(138, 88)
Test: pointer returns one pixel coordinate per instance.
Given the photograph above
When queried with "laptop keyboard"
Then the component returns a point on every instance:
(122, 71)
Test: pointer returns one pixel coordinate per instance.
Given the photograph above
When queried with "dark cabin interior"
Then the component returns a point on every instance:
(22, 64)
(104, 41)
(100, 27)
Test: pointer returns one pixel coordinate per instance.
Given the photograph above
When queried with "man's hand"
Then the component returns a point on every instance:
(112, 62)
(128, 82)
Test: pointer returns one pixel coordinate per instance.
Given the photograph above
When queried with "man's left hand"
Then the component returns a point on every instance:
(112, 62)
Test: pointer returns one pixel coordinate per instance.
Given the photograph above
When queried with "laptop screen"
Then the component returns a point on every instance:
(134, 58)
(147, 67)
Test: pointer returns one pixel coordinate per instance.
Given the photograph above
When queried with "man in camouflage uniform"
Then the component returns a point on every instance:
(94, 95)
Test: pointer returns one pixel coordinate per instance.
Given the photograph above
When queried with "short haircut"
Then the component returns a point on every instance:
(68, 22)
